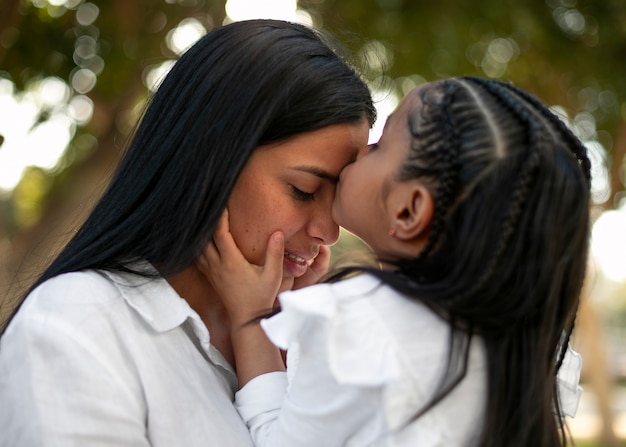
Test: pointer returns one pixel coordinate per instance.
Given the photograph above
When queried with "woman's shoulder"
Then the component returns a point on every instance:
(64, 299)
(80, 299)
(81, 288)
(93, 286)
(71, 281)
(94, 301)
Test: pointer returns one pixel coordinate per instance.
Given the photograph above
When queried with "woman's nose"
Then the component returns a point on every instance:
(322, 226)
(363, 151)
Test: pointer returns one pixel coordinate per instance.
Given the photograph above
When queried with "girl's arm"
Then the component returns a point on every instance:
(248, 292)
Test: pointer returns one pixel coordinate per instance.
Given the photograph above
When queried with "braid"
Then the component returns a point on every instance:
(449, 174)
(524, 180)
(577, 147)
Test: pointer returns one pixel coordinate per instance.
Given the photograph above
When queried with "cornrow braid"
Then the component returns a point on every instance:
(580, 152)
(448, 183)
(524, 179)
(578, 148)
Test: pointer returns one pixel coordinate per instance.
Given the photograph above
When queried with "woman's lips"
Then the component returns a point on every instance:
(295, 265)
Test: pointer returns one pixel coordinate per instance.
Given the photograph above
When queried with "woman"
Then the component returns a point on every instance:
(122, 341)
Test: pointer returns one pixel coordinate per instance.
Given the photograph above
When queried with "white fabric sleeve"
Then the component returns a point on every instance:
(58, 389)
(259, 401)
(320, 408)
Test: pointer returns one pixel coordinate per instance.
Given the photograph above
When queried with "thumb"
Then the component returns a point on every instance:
(274, 255)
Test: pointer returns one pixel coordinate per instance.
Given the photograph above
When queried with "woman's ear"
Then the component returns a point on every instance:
(412, 211)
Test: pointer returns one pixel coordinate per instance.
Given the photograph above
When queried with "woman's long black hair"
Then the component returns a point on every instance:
(242, 85)
(507, 249)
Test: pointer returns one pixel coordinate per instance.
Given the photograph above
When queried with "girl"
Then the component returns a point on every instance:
(475, 202)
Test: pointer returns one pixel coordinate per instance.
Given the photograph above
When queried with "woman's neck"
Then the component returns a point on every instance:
(192, 286)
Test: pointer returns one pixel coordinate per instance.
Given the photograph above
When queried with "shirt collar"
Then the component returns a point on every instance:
(158, 304)
(152, 298)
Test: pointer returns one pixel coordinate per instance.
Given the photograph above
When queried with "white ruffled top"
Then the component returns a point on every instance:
(362, 361)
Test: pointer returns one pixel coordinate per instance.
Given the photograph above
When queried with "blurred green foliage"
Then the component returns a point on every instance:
(571, 53)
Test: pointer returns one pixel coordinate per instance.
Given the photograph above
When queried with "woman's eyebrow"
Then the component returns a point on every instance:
(318, 172)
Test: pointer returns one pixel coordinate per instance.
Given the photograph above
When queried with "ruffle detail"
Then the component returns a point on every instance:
(568, 379)
(359, 349)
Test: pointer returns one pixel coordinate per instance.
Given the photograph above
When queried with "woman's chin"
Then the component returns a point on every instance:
(286, 284)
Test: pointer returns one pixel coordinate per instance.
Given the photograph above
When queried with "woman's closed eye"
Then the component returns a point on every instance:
(302, 195)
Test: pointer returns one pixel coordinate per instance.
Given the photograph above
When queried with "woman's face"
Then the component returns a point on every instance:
(290, 186)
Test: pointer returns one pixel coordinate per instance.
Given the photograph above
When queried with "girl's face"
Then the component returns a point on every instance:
(368, 189)
(290, 186)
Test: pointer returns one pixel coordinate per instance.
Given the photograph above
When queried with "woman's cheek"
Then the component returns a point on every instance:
(247, 240)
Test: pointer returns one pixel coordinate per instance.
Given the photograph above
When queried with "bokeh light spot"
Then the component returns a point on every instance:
(87, 13)
(254, 9)
(185, 35)
(81, 109)
(609, 243)
(83, 80)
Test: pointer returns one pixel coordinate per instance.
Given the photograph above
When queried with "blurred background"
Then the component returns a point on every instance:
(75, 74)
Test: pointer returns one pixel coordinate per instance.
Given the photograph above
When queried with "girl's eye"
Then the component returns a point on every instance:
(301, 195)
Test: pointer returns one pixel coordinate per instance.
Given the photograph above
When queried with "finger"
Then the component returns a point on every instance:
(211, 253)
(224, 220)
(274, 255)
(322, 262)
(228, 251)
(316, 270)
(209, 256)
(221, 235)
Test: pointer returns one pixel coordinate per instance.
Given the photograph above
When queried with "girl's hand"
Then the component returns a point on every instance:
(316, 270)
(248, 291)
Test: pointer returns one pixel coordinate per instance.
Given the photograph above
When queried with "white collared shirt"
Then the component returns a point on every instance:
(100, 359)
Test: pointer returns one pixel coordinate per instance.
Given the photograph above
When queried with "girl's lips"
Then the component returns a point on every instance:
(294, 265)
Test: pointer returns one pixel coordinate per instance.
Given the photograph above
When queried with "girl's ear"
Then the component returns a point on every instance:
(412, 211)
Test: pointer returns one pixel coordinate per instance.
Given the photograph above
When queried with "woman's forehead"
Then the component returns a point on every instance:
(327, 149)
